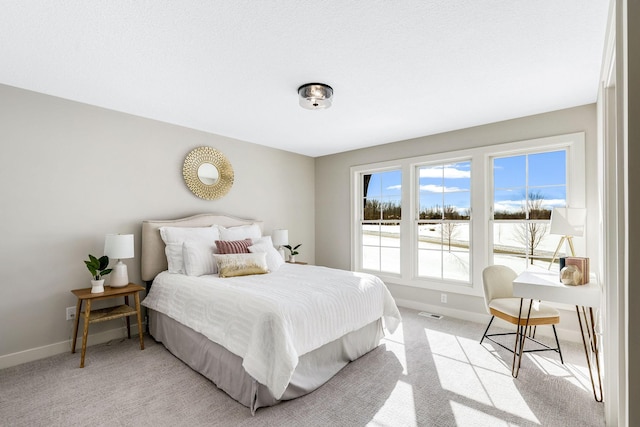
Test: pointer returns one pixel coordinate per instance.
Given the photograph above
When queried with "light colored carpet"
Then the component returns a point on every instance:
(429, 373)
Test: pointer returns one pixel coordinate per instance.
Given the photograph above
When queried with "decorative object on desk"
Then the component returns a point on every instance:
(280, 238)
(98, 268)
(568, 223)
(571, 275)
(582, 264)
(207, 173)
(293, 252)
(119, 246)
(562, 263)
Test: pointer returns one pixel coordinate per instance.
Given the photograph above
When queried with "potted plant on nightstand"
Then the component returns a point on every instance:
(98, 268)
(293, 252)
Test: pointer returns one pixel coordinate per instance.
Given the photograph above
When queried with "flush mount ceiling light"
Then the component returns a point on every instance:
(315, 96)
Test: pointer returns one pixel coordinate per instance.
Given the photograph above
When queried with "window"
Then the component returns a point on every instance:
(444, 198)
(526, 188)
(380, 225)
(436, 221)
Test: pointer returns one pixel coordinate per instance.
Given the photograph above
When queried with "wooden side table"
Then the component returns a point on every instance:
(297, 262)
(109, 313)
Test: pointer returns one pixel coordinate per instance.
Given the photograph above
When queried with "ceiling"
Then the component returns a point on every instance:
(399, 69)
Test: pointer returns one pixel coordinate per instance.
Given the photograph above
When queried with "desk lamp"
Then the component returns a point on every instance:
(568, 223)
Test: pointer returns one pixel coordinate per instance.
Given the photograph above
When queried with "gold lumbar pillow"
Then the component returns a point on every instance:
(232, 265)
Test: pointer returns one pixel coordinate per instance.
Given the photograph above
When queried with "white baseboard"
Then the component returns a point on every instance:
(563, 333)
(37, 353)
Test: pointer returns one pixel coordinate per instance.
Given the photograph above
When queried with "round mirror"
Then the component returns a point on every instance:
(208, 174)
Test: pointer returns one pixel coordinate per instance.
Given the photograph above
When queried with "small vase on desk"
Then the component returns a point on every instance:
(97, 286)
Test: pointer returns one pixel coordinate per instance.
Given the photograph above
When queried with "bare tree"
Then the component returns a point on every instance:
(449, 229)
(531, 233)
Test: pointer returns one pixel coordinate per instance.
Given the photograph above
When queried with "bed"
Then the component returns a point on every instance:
(261, 338)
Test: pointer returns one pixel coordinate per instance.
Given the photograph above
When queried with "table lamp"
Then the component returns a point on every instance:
(119, 246)
(280, 238)
(568, 223)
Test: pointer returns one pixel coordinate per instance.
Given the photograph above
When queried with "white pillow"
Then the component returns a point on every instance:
(198, 258)
(274, 260)
(241, 232)
(174, 237)
(232, 265)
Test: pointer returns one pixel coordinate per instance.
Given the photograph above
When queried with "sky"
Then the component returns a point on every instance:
(514, 177)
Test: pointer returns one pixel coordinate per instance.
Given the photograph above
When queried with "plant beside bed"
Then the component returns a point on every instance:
(292, 251)
(98, 268)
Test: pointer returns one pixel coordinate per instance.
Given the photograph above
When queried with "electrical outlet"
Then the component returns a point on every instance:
(443, 298)
(71, 313)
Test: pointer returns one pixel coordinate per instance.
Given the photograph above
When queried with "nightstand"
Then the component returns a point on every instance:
(104, 314)
(297, 262)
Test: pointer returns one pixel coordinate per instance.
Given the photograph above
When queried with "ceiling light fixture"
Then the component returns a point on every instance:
(315, 96)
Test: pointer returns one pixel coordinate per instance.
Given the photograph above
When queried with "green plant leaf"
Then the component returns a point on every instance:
(103, 262)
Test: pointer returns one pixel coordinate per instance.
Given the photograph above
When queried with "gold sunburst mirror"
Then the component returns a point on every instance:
(207, 173)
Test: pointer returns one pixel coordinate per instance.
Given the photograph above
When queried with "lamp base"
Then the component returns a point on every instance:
(119, 276)
(560, 243)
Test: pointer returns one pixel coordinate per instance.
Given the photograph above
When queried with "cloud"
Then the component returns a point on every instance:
(516, 205)
(446, 172)
(430, 188)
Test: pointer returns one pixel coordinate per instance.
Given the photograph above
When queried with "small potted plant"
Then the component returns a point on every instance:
(98, 268)
(293, 252)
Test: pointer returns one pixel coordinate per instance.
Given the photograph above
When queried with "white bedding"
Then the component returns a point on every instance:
(271, 319)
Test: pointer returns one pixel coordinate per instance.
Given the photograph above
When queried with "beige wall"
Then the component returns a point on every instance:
(333, 192)
(632, 95)
(71, 173)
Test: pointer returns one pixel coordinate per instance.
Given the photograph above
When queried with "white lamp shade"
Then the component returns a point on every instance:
(568, 221)
(280, 237)
(118, 246)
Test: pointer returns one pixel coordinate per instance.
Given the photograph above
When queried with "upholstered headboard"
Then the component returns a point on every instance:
(154, 260)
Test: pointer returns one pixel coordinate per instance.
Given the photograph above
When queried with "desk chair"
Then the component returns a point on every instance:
(497, 283)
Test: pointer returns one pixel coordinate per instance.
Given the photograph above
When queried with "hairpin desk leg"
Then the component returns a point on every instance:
(588, 333)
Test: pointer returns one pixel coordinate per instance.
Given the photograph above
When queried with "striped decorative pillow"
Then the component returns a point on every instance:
(233, 246)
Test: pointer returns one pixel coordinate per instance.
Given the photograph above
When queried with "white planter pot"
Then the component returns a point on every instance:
(97, 286)
(292, 259)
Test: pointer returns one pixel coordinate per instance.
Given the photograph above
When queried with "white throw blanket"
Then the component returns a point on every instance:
(270, 320)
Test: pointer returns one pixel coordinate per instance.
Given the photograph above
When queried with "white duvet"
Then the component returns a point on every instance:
(270, 320)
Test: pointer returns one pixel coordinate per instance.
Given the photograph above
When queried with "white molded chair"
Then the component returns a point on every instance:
(497, 283)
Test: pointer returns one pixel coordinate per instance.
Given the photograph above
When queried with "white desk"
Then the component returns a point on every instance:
(545, 285)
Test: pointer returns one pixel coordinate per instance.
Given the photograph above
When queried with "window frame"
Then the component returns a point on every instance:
(415, 219)
(480, 238)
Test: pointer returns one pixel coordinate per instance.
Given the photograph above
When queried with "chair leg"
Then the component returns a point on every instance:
(557, 343)
(487, 330)
(520, 340)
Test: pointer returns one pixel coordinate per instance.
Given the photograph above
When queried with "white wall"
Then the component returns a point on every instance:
(71, 173)
(332, 194)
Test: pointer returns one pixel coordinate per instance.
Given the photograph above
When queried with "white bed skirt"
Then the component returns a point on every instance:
(225, 368)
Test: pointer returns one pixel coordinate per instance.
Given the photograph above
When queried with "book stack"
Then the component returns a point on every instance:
(582, 264)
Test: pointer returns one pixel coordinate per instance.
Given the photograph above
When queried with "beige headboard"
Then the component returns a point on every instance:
(153, 257)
